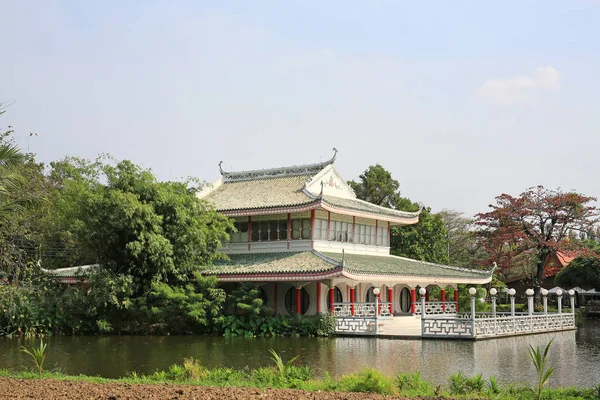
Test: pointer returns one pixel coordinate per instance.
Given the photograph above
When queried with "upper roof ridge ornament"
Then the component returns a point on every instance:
(221, 169)
(306, 169)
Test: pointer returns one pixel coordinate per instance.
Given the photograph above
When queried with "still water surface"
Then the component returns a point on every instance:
(575, 355)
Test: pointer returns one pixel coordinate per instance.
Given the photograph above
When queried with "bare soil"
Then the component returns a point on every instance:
(48, 389)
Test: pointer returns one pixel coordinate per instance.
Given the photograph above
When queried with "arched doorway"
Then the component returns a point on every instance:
(370, 296)
(290, 301)
(405, 300)
(337, 297)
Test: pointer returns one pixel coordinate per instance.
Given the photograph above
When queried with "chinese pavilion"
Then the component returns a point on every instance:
(308, 243)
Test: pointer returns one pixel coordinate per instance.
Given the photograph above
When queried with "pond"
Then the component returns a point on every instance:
(575, 355)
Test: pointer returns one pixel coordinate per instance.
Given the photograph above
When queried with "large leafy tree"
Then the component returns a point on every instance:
(134, 225)
(425, 240)
(583, 272)
(528, 228)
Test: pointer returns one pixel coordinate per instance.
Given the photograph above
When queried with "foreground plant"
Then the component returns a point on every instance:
(539, 360)
(38, 355)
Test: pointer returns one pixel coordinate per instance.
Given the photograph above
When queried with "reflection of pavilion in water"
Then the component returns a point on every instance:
(436, 360)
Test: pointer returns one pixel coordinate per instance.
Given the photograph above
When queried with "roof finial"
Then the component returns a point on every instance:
(334, 154)
(221, 169)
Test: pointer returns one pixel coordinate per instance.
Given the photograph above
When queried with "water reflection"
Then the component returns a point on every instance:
(575, 355)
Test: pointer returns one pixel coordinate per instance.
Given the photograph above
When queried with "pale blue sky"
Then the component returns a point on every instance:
(461, 101)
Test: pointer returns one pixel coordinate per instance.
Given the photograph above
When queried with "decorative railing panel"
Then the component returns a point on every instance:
(447, 327)
(361, 310)
(499, 326)
(436, 308)
(502, 325)
(358, 326)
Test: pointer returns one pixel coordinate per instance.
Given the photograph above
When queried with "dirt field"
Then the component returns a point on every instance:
(53, 390)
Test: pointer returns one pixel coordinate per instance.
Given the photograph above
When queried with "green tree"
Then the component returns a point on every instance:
(583, 272)
(425, 240)
(377, 186)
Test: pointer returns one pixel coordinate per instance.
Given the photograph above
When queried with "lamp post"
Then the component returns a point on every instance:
(545, 300)
(529, 293)
(472, 292)
(376, 292)
(511, 293)
(559, 293)
(572, 294)
(422, 292)
(493, 293)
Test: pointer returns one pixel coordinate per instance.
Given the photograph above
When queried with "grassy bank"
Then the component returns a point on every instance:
(286, 375)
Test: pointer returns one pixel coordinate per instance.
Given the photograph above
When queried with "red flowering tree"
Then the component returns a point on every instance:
(538, 223)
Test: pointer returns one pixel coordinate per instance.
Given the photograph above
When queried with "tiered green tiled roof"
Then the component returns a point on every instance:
(274, 263)
(260, 193)
(311, 262)
(393, 265)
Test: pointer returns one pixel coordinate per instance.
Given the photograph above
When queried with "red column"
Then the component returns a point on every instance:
(312, 228)
(379, 304)
(352, 300)
(298, 302)
(426, 294)
(456, 298)
(331, 298)
(443, 300)
(275, 297)
(413, 300)
(318, 297)
(391, 300)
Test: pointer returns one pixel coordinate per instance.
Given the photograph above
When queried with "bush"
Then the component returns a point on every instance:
(368, 381)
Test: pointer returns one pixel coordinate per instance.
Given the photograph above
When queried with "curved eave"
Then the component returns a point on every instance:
(393, 220)
(280, 277)
(416, 279)
(410, 219)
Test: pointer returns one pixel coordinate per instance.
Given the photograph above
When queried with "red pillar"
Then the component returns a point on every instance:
(379, 304)
(391, 300)
(352, 300)
(331, 298)
(275, 297)
(443, 300)
(318, 297)
(312, 228)
(413, 300)
(426, 294)
(456, 298)
(298, 302)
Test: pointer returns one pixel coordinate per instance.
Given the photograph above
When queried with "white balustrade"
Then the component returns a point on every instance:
(436, 307)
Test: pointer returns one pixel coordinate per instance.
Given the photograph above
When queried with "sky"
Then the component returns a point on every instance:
(461, 101)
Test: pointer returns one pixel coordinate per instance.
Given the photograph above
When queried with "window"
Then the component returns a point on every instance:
(290, 301)
(241, 234)
(301, 229)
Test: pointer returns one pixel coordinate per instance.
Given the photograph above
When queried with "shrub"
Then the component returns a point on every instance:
(193, 369)
(457, 384)
(368, 381)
